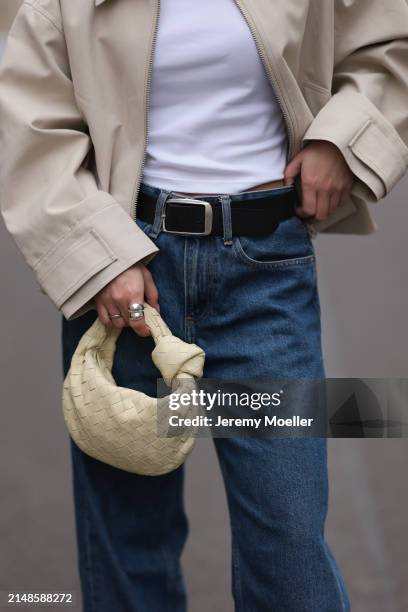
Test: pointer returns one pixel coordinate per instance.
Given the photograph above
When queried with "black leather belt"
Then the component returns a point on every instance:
(203, 217)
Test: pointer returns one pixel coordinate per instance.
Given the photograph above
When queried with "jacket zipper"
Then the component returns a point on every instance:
(273, 78)
(269, 71)
(133, 207)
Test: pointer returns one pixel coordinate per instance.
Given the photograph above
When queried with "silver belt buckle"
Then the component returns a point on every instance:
(208, 216)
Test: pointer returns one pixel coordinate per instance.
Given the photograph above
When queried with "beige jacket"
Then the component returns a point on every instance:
(74, 85)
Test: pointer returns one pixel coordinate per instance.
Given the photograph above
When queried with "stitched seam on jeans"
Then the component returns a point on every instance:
(189, 329)
(167, 556)
(316, 297)
(336, 580)
(88, 553)
(212, 285)
(234, 547)
(278, 264)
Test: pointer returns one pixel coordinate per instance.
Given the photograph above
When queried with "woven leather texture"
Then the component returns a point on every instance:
(120, 426)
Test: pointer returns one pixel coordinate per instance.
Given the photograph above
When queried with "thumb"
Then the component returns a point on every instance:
(293, 169)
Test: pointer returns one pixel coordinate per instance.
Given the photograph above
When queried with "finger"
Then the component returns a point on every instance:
(151, 292)
(104, 315)
(334, 203)
(139, 326)
(304, 215)
(293, 169)
(114, 308)
(323, 205)
(343, 198)
(308, 206)
(288, 180)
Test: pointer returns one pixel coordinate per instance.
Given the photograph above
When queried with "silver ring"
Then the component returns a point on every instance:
(136, 316)
(135, 307)
(115, 316)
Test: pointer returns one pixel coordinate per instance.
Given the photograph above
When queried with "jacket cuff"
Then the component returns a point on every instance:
(90, 255)
(83, 300)
(371, 146)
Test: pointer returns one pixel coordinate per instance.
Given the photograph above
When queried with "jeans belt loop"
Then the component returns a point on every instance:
(158, 218)
(226, 219)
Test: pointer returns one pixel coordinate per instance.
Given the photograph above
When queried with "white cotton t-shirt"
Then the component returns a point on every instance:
(215, 125)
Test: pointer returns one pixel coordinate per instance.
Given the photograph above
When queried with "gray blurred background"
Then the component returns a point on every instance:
(364, 296)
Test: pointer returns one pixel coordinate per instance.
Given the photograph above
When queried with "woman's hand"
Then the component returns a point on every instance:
(134, 285)
(325, 178)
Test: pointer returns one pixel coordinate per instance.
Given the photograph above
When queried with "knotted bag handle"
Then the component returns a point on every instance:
(155, 323)
(172, 356)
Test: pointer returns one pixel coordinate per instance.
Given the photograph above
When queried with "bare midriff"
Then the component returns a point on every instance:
(264, 186)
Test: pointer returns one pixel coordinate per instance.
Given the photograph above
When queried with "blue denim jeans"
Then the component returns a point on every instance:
(252, 304)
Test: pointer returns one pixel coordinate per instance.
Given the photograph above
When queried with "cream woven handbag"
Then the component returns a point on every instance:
(119, 426)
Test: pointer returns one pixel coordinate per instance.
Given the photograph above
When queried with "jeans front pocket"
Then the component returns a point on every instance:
(289, 245)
